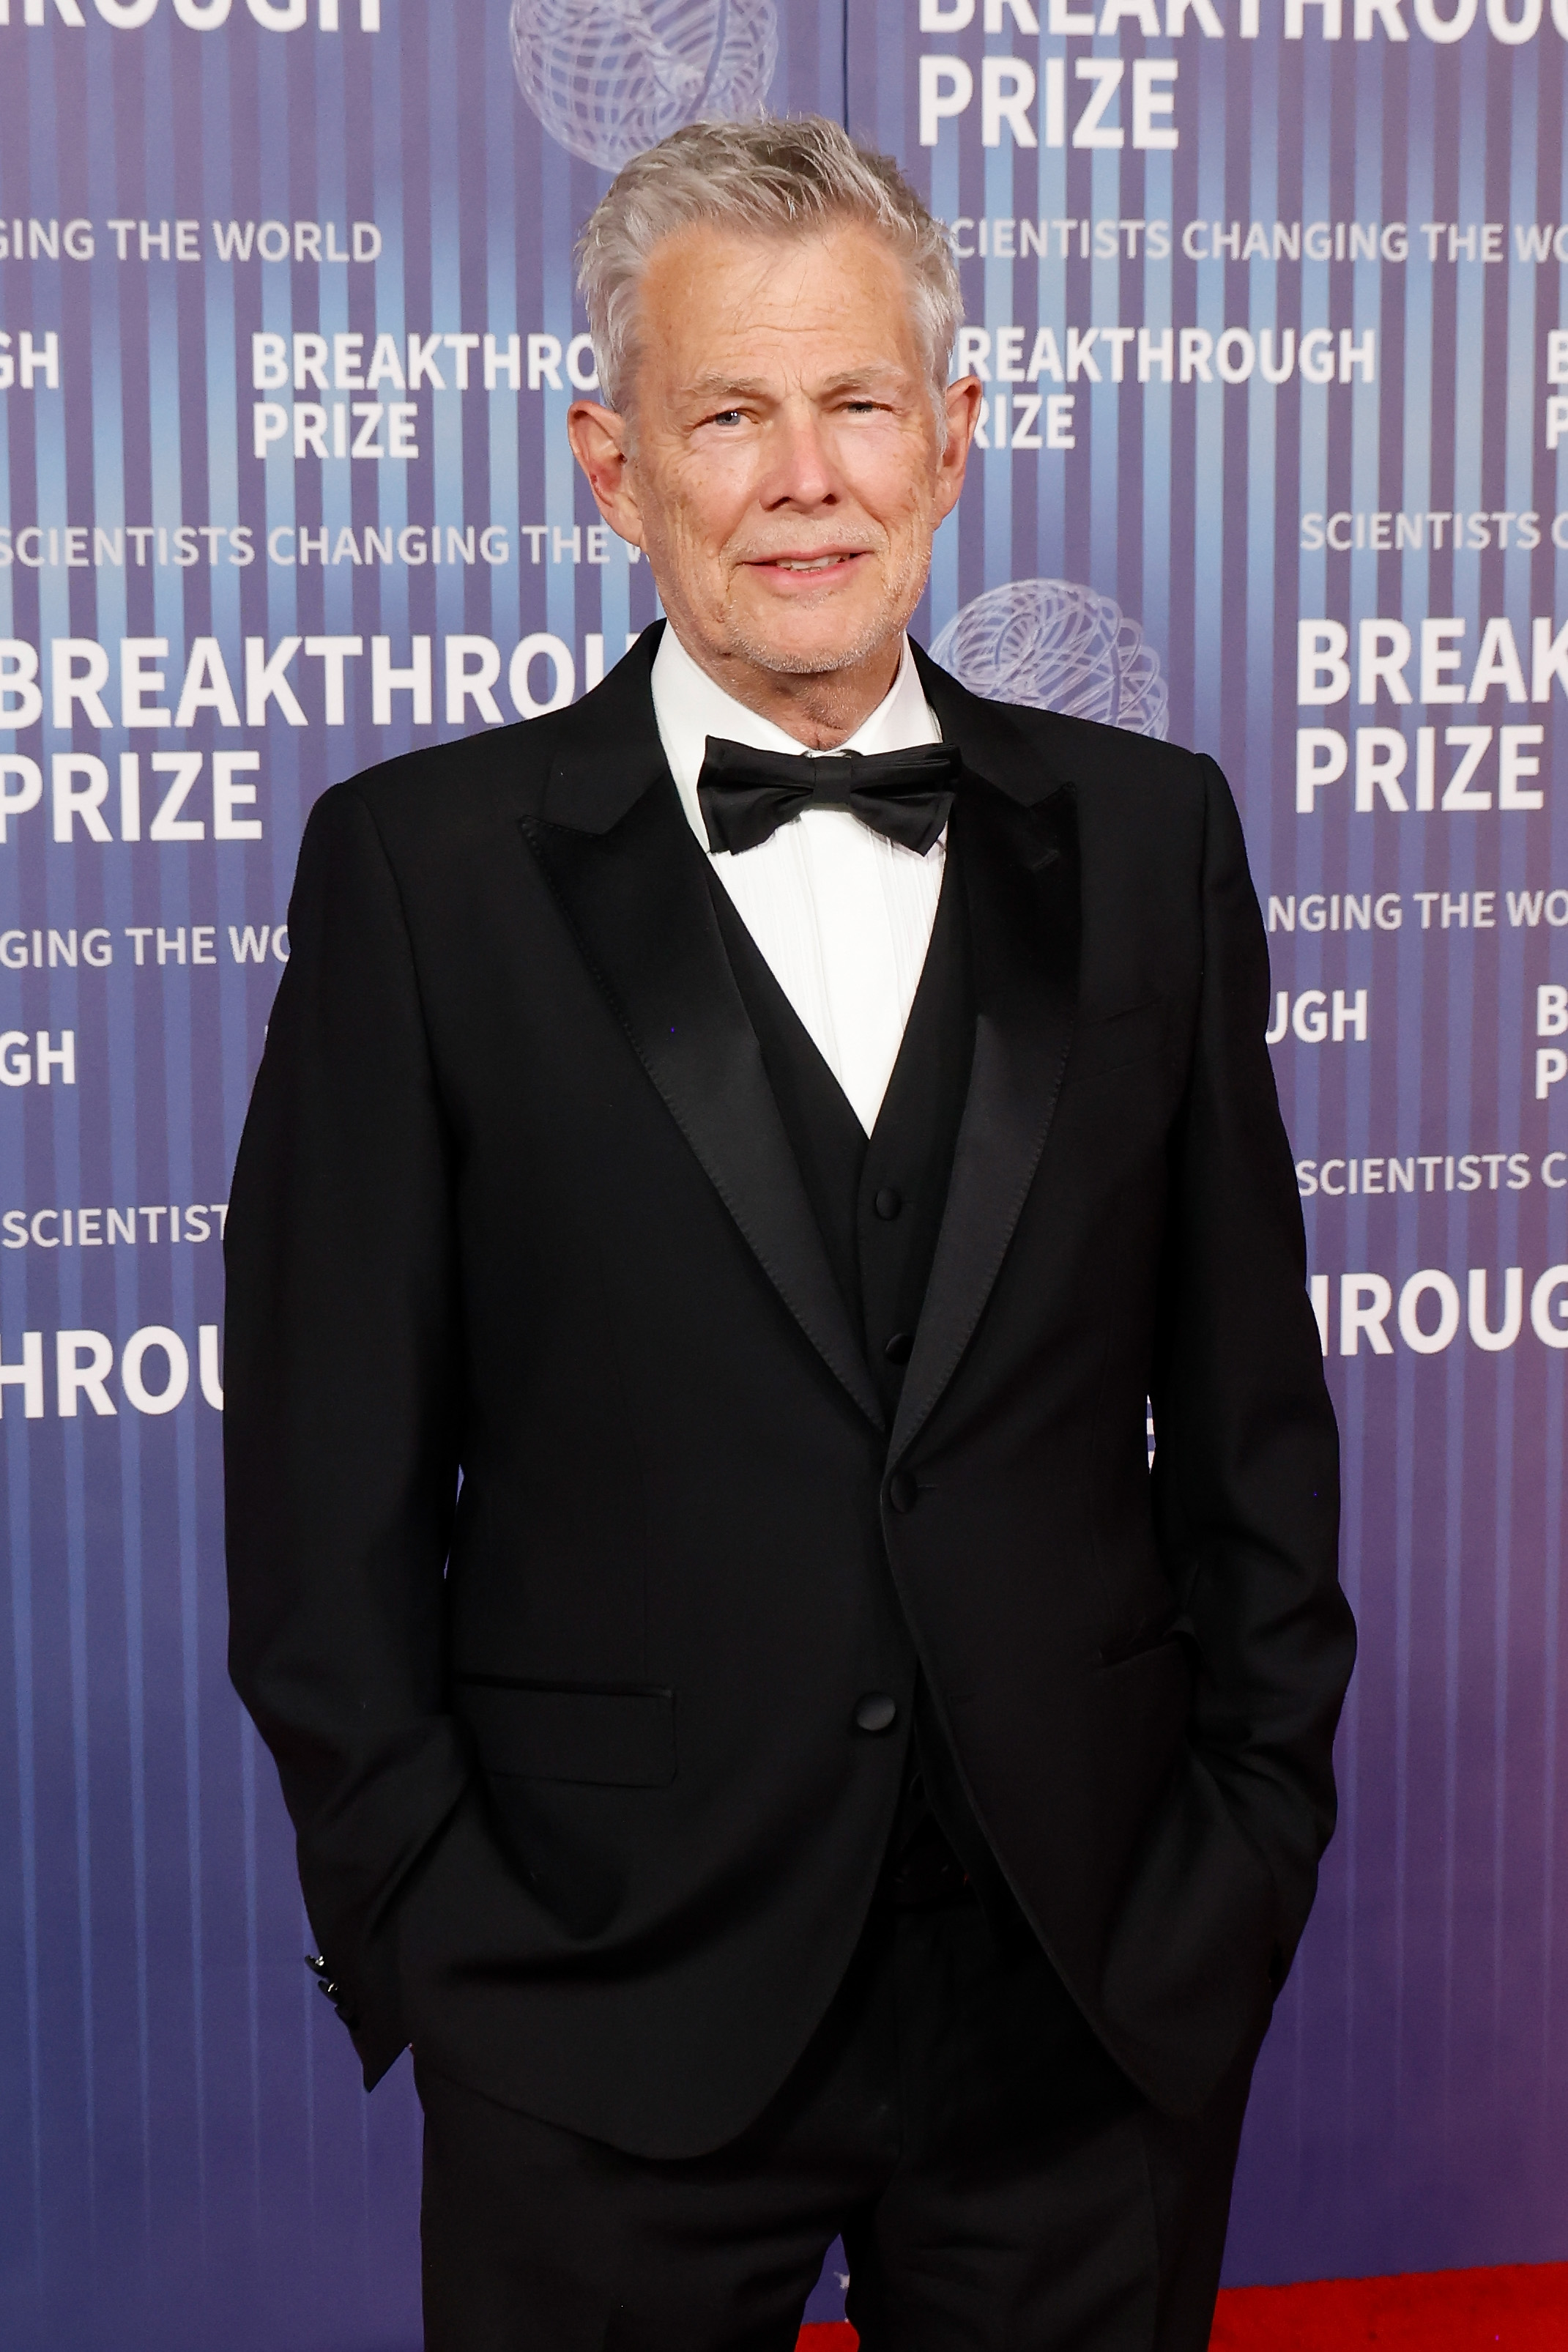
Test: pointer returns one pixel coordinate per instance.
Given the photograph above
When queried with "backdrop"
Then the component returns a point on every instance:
(1264, 295)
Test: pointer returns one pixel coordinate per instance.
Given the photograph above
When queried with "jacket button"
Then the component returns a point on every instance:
(899, 1347)
(315, 1963)
(901, 1491)
(888, 1202)
(875, 1712)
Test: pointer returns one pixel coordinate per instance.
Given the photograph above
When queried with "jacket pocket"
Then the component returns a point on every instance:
(1120, 1038)
(617, 1736)
(1147, 1638)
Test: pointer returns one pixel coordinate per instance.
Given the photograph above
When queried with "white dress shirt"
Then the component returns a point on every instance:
(841, 915)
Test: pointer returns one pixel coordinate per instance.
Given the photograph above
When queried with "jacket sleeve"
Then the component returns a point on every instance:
(342, 1410)
(1246, 1474)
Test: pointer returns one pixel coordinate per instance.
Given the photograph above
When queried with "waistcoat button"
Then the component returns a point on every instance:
(901, 1491)
(888, 1202)
(875, 1712)
(899, 1349)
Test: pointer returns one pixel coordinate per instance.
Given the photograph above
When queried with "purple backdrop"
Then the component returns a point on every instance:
(1265, 297)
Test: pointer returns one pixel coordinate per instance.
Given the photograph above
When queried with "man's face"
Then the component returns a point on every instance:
(784, 471)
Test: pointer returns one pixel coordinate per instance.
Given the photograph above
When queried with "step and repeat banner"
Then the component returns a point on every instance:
(1264, 296)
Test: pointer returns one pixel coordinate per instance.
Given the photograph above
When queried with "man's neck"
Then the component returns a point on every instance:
(820, 709)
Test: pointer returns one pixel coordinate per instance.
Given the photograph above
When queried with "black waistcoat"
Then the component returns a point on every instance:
(878, 1200)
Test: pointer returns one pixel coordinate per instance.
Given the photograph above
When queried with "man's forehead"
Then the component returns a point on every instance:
(721, 275)
(736, 313)
(759, 367)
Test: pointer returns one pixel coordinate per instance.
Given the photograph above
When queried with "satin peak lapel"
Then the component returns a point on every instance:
(636, 898)
(1020, 868)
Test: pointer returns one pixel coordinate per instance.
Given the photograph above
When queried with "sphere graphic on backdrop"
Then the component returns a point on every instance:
(608, 77)
(1056, 646)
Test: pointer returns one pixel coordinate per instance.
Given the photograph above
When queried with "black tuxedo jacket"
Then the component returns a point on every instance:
(567, 1529)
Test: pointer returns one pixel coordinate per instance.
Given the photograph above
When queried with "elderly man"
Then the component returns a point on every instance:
(731, 1162)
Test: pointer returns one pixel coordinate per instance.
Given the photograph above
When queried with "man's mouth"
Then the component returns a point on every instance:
(809, 562)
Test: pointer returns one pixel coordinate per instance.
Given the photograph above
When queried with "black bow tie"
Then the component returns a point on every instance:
(746, 795)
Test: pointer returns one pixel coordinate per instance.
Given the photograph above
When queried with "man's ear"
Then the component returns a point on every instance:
(963, 405)
(599, 438)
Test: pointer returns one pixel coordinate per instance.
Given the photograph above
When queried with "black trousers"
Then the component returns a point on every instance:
(998, 2184)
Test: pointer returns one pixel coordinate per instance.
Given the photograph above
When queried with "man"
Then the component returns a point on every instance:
(708, 1225)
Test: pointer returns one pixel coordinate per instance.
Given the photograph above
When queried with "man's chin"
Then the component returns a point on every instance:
(839, 642)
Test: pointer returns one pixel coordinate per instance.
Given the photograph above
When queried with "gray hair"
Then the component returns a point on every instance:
(771, 177)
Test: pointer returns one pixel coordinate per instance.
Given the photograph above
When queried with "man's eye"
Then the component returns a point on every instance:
(726, 417)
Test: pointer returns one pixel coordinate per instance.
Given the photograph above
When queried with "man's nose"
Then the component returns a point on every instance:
(800, 469)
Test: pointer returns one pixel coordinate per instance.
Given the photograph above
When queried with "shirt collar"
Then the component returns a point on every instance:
(689, 708)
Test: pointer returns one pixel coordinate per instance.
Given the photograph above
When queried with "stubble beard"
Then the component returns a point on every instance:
(879, 629)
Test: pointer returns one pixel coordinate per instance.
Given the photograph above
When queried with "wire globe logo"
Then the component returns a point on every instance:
(608, 77)
(1057, 646)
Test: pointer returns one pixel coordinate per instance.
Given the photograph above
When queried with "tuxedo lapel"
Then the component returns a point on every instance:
(1016, 829)
(620, 858)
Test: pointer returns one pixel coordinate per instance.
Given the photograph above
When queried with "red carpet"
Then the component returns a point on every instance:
(1519, 2309)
